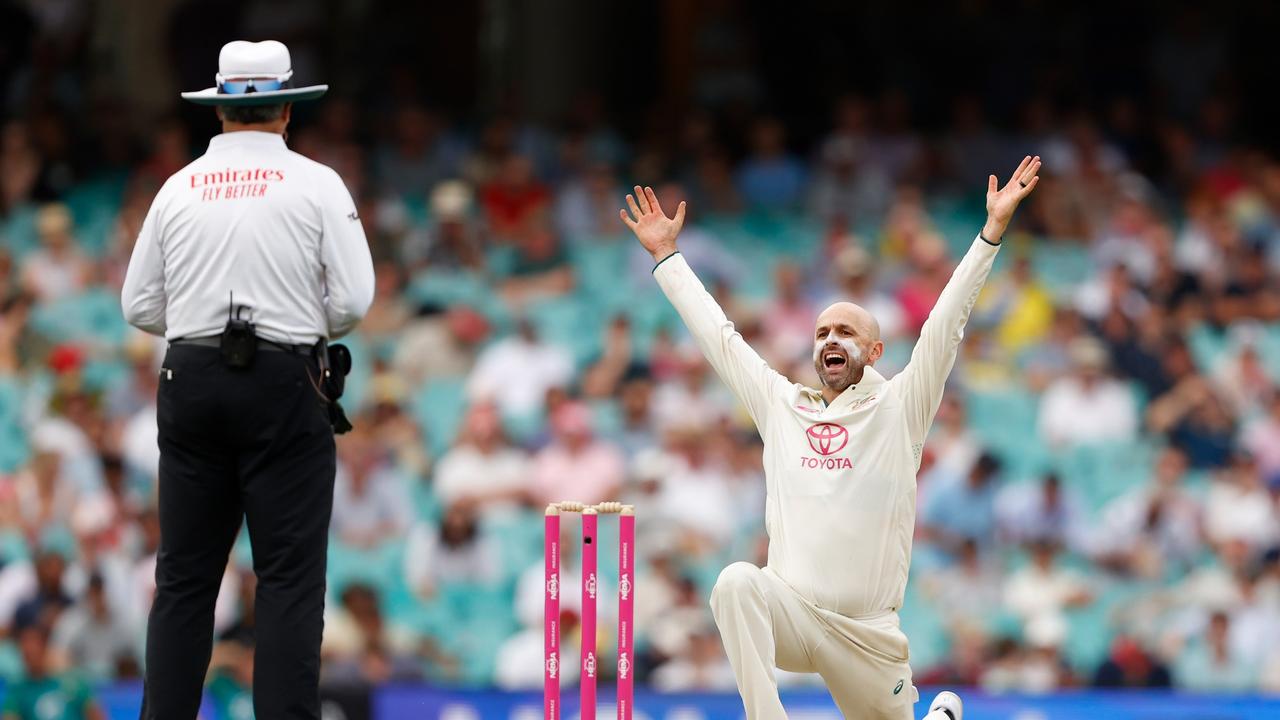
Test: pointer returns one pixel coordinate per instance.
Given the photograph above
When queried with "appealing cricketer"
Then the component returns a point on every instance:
(840, 469)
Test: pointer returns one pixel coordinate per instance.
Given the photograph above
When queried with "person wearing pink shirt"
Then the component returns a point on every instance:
(576, 466)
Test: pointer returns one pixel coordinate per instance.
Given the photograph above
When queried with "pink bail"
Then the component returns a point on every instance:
(588, 686)
(626, 612)
(551, 615)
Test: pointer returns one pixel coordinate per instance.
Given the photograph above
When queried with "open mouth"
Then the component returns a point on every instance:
(834, 361)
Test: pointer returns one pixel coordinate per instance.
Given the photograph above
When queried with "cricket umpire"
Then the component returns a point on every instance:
(250, 259)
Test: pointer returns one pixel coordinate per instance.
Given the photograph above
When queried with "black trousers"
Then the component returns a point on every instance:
(252, 444)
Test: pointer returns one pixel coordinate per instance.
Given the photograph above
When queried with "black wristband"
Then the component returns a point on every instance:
(985, 240)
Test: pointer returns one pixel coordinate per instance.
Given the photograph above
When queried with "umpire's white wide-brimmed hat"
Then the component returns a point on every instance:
(254, 73)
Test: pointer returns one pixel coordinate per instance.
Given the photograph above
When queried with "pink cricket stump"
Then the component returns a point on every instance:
(588, 687)
(626, 610)
(551, 615)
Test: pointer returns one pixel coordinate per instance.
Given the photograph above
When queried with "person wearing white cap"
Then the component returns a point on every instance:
(840, 478)
(250, 259)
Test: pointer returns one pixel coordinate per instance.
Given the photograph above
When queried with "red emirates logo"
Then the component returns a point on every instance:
(827, 438)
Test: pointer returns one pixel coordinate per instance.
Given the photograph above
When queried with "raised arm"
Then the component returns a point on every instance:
(922, 381)
(745, 372)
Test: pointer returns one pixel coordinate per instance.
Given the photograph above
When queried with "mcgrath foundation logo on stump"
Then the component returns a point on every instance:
(827, 438)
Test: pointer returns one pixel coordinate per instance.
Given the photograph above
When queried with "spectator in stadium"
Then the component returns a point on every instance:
(638, 430)
(454, 240)
(371, 505)
(455, 554)
(519, 660)
(702, 666)
(1028, 512)
(48, 598)
(787, 318)
(439, 344)
(691, 398)
(576, 465)
(952, 443)
(1042, 591)
(58, 269)
(584, 203)
(361, 647)
(21, 166)
(1209, 664)
(1241, 377)
(483, 469)
(41, 688)
(514, 199)
(541, 267)
(1017, 307)
(845, 187)
(695, 497)
(963, 593)
(1261, 438)
(854, 279)
(961, 507)
(390, 312)
(230, 682)
(517, 371)
(418, 153)
(1130, 665)
(91, 638)
(1239, 507)
(1087, 392)
(43, 496)
(602, 377)
(1196, 420)
(770, 178)
(964, 663)
(1151, 530)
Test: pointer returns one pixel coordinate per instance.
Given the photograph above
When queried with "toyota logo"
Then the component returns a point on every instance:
(827, 438)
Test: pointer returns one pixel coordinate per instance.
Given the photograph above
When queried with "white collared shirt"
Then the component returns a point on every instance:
(253, 218)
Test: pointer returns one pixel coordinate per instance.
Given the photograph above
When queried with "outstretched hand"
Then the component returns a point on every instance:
(1003, 201)
(655, 231)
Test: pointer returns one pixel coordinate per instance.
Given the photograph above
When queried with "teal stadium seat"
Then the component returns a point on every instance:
(1005, 422)
(93, 316)
(13, 438)
(1101, 472)
(438, 407)
(1061, 266)
(568, 322)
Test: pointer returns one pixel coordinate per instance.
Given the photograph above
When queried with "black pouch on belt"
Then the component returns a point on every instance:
(335, 364)
(239, 343)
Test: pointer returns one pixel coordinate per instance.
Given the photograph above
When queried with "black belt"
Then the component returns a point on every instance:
(214, 341)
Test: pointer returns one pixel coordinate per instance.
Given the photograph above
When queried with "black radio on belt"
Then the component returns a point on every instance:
(239, 338)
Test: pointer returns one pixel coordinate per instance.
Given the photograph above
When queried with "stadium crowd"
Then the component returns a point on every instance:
(1097, 501)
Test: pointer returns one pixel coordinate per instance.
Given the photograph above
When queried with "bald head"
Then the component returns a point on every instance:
(850, 314)
(846, 339)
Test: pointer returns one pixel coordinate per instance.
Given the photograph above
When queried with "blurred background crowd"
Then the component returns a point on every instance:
(1098, 498)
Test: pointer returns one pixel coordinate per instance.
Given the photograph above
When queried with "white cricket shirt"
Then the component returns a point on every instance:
(253, 218)
(840, 479)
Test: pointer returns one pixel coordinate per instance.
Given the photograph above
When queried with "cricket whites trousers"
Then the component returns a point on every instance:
(764, 624)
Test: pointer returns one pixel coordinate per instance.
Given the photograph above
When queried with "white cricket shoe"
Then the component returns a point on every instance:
(948, 702)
